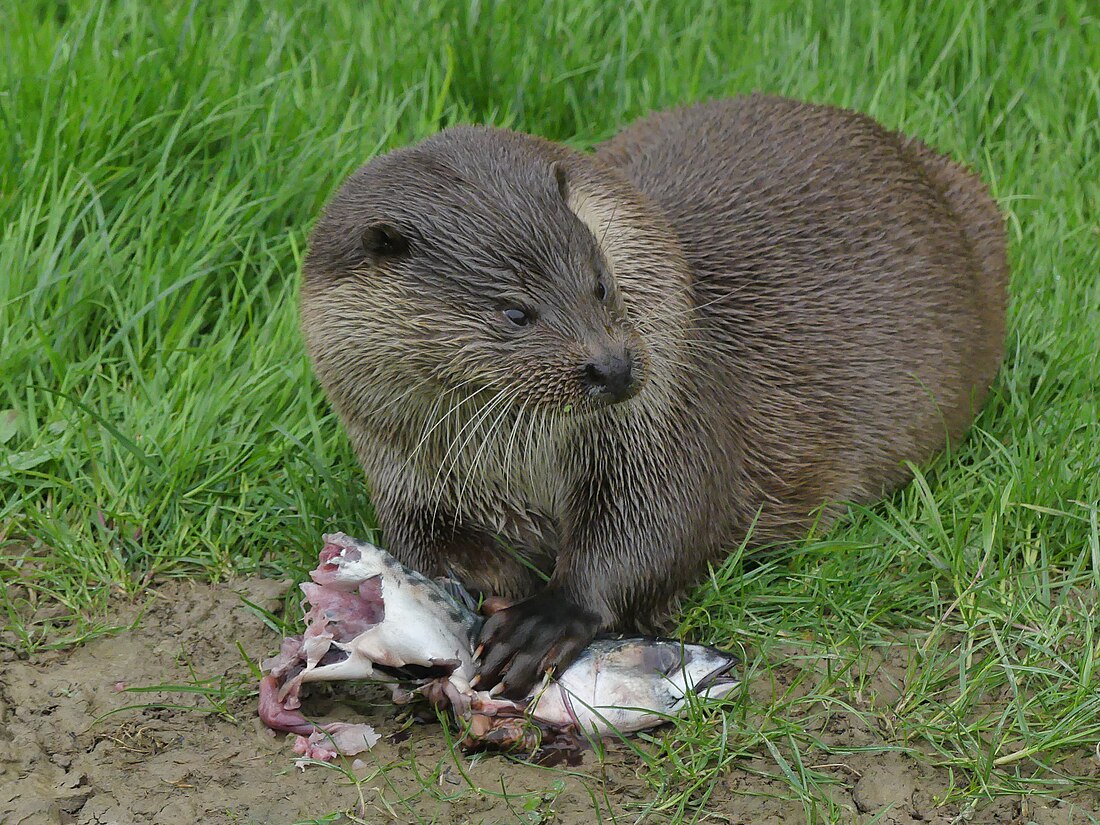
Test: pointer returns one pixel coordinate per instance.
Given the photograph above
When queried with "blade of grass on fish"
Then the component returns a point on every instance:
(593, 737)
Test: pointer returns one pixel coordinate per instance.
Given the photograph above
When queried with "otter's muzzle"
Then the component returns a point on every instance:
(611, 377)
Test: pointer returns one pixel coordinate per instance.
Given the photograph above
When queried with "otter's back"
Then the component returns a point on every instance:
(851, 281)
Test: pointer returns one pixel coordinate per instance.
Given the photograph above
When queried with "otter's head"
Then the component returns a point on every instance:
(483, 260)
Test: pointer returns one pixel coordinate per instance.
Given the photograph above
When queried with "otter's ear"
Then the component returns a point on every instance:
(561, 178)
(384, 240)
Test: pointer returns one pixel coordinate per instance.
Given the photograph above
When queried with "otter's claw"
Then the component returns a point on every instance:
(522, 642)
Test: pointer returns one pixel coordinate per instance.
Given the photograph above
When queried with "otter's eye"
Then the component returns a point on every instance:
(601, 290)
(384, 240)
(519, 317)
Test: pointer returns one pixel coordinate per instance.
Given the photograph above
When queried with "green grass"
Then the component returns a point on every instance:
(159, 173)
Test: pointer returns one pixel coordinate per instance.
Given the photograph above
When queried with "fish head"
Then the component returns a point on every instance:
(631, 684)
(681, 668)
(700, 670)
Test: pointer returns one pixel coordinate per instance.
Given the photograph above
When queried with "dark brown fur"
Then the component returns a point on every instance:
(810, 301)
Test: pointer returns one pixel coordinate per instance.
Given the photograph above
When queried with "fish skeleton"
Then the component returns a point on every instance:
(371, 617)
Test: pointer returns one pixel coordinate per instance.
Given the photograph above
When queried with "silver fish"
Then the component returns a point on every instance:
(630, 684)
(373, 618)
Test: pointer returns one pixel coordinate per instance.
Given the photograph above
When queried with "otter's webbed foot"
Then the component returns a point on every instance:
(521, 642)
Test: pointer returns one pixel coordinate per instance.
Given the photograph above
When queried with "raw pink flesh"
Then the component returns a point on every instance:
(349, 614)
(338, 738)
(341, 615)
(323, 574)
(334, 615)
(324, 742)
(339, 612)
(274, 712)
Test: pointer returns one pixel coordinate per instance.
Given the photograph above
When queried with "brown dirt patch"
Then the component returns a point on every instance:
(63, 761)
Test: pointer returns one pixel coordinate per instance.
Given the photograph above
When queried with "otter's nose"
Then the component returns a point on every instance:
(611, 375)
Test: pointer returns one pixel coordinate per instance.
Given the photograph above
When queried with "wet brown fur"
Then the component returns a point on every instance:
(813, 300)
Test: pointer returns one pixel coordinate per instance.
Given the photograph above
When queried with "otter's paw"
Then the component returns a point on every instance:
(521, 642)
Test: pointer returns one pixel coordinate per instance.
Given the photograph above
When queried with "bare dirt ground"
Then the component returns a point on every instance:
(209, 760)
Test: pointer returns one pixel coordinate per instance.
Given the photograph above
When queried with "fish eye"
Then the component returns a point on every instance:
(519, 317)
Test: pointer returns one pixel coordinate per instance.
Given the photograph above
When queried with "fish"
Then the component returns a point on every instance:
(371, 617)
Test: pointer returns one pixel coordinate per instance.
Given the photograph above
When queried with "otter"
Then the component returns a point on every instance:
(574, 380)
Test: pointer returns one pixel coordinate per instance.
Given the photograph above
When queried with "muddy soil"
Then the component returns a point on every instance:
(77, 747)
